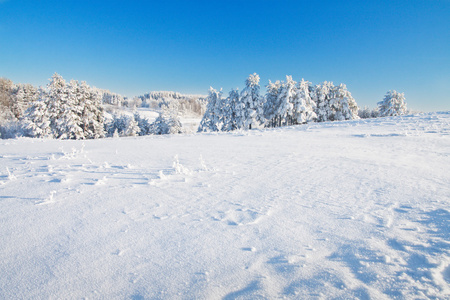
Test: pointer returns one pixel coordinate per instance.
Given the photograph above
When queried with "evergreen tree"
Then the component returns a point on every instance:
(22, 96)
(304, 105)
(271, 105)
(143, 124)
(92, 116)
(231, 117)
(68, 124)
(36, 119)
(253, 103)
(286, 99)
(393, 104)
(342, 105)
(320, 95)
(6, 87)
(210, 120)
(167, 123)
(57, 97)
(132, 128)
(118, 124)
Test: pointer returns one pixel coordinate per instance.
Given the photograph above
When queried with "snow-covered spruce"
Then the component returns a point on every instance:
(66, 111)
(167, 122)
(251, 110)
(289, 103)
(211, 120)
(393, 104)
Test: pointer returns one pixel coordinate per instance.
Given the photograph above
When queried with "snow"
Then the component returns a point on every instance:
(353, 209)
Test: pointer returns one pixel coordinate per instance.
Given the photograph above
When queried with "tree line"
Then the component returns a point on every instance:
(289, 103)
(74, 110)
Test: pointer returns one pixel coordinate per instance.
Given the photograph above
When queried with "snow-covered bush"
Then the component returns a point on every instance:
(393, 104)
(366, 112)
(166, 124)
(11, 129)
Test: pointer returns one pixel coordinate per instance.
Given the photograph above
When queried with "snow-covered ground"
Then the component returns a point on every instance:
(355, 209)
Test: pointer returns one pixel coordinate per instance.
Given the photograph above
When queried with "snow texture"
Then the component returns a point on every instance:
(356, 209)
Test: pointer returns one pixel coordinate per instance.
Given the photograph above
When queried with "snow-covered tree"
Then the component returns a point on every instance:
(36, 118)
(367, 112)
(132, 128)
(118, 124)
(92, 115)
(6, 86)
(22, 96)
(303, 104)
(333, 103)
(393, 104)
(57, 103)
(320, 95)
(272, 103)
(167, 123)
(289, 103)
(286, 98)
(231, 118)
(143, 124)
(210, 120)
(342, 105)
(253, 103)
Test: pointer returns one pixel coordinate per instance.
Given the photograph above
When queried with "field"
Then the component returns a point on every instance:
(354, 209)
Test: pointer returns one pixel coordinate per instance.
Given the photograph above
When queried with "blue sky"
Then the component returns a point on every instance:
(132, 47)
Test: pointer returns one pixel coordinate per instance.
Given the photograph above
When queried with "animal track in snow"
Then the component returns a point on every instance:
(240, 217)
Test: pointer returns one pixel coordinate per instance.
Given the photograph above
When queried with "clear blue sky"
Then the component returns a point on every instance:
(132, 47)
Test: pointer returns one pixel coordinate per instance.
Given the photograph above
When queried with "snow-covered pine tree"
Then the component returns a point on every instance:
(303, 104)
(221, 113)
(22, 96)
(320, 95)
(342, 105)
(92, 116)
(253, 103)
(210, 121)
(132, 128)
(6, 87)
(36, 118)
(271, 104)
(117, 124)
(143, 123)
(230, 119)
(286, 99)
(68, 124)
(167, 123)
(393, 104)
(57, 96)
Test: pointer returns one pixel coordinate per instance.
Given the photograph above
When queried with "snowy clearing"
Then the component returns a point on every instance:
(354, 209)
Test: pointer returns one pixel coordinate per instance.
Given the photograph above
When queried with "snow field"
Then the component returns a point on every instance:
(355, 209)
